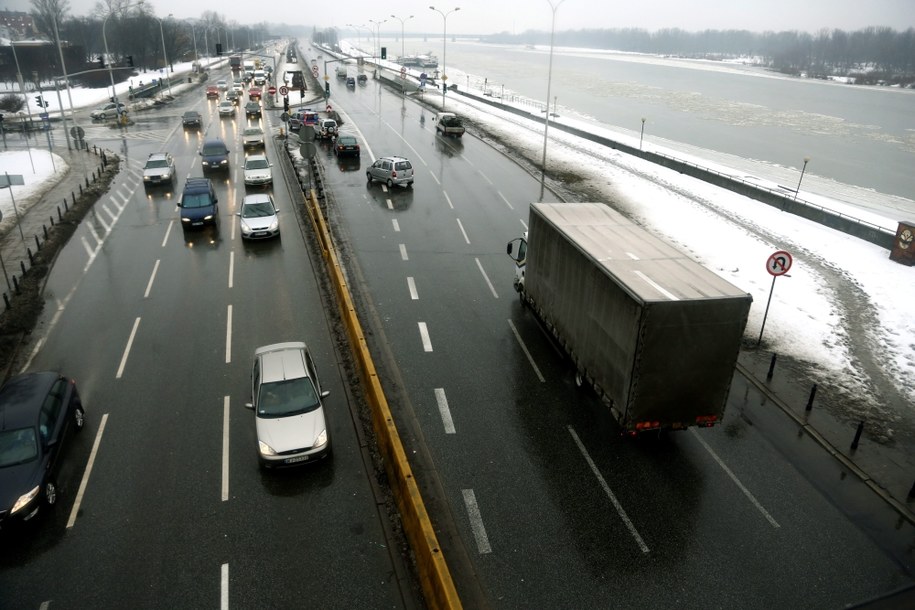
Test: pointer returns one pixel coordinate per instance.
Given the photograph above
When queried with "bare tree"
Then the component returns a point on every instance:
(48, 13)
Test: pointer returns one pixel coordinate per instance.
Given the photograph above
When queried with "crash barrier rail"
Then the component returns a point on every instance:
(435, 578)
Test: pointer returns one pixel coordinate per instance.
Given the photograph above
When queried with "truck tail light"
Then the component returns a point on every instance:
(706, 420)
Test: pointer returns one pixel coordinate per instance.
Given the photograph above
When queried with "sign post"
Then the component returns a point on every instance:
(778, 264)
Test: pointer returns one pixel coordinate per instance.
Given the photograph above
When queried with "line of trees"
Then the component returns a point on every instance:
(881, 50)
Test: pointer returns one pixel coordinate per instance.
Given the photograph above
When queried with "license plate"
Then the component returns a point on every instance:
(293, 460)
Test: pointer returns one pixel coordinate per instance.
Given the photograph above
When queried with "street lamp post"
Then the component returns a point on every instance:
(549, 84)
(445, 48)
(642, 133)
(402, 22)
(194, 34)
(164, 56)
(377, 41)
(806, 160)
(63, 66)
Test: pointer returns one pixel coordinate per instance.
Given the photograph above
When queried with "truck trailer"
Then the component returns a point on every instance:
(655, 333)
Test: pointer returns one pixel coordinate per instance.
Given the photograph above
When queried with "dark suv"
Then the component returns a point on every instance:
(198, 203)
(215, 155)
(38, 413)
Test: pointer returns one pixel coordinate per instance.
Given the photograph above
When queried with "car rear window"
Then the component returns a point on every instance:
(402, 165)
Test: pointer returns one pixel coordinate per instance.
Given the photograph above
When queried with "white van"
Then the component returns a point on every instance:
(260, 77)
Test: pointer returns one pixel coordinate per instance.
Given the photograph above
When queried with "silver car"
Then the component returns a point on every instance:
(252, 136)
(159, 169)
(391, 171)
(259, 217)
(257, 171)
(288, 412)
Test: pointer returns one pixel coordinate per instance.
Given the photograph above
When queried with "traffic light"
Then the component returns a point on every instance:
(39, 101)
(384, 52)
(285, 103)
(101, 61)
(130, 60)
(326, 88)
(302, 92)
(219, 48)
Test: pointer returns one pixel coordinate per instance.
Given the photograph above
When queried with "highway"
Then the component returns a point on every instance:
(536, 498)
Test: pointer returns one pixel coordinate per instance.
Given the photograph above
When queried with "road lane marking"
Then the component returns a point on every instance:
(434, 177)
(510, 206)
(463, 232)
(396, 225)
(411, 285)
(476, 522)
(403, 253)
(133, 333)
(603, 483)
(95, 236)
(448, 199)
(485, 177)
(737, 482)
(229, 336)
(444, 410)
(171, 223)
(526, 353)
(231, 268)
(486, 277)
(152, 278)
(524, 224)
(85, 480)
(86, 245)
(232, 228)
(224, 587)
(100, 220)
(225, 449)
(390, 204)
(424, 334)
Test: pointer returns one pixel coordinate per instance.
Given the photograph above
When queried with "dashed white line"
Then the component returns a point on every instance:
(152, 278)
(171, 223)
(403, 253)
(396, 225)
(486, 277)
(603, 483)
(448, 199)
(133, 333)
(526, 353)
(95, 236)
(523, 224)
(424, 335)
(476, 522)
(737, 482)
(85, 480)
(411, 286)
(507, 202)
(89, 251)
(463, 232)
(229, 336)
(434, 177)
(390, 204)
(224, 587)
(486, 178)
(231, 268)
(225, 449)
(444, 410)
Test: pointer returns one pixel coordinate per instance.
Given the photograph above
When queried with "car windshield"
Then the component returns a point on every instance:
(191, 115)
(197, 200)
(18, 446)
(257, 209)
(253, 131)
(156, 163)
(257, 164)
(285, 398)
(213, 150)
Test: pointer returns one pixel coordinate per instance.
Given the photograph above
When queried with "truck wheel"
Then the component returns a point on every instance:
(579, 380)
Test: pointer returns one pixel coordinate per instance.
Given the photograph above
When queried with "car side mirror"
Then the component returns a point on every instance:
(249, 405)
(325, 393)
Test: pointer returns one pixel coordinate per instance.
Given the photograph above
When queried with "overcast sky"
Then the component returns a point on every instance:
(486, 16)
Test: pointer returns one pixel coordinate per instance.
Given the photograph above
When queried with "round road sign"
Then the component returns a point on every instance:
(403, 73)
(271, 89)
(284, 90)
(314, 71)
(779, 263)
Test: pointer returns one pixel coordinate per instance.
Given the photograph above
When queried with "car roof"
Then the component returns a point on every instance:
(282, 361)
(21, 398)
(197, 184)
(213, 142)
(393, 158)
(158, 155)
(255, 198)
(253, 157)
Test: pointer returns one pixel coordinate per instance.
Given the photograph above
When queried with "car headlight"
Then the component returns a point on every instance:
(322, 438)
(224, 162)
(24, 499)
(208, 217)
(265, 448)
(275, 224)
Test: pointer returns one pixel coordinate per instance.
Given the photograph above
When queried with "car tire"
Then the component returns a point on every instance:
(79, 418)
(368, 175)
(50, 493)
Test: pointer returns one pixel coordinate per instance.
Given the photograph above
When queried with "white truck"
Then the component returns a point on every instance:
(448, 124)
(655, 333)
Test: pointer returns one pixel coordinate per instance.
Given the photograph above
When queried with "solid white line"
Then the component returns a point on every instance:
(444, 410)
(507, 202)
(476, 522)
(85, 480)
(486, 277)
(448, 199)
(85, 241)
(95, 236)
(167, 232)
(411, 285)
(734, 478)
(396, 225)
(224, 588)
(133, 333)
(229, 336)
(225, 449)
(231, 268)
(619, 507)
(152, 278)
(526, 353)
(424, 334)
(461, 226)
(403, 253)
(390, 204)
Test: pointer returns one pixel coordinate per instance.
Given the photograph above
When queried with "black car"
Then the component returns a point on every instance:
(198, 203)
(192, 118)
(215, 155)
(351, 82)
(253, 109)
(346, 145)
(38, 413)
(362, 78)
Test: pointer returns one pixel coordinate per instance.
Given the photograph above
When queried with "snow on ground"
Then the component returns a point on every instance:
(733, 235)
